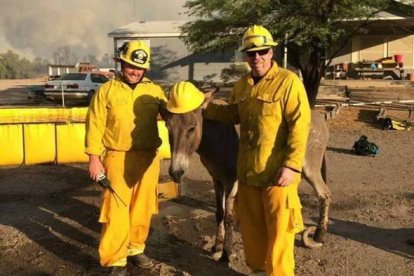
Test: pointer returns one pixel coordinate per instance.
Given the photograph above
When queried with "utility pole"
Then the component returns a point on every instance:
(285, 51)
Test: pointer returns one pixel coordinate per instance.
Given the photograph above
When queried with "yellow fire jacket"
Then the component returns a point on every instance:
(274, 118)
(123, 119)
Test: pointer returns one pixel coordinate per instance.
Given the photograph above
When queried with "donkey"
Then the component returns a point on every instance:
(217, 143)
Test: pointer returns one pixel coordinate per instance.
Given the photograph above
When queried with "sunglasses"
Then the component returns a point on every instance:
(260, 53)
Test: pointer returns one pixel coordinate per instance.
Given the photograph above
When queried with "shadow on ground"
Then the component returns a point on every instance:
(45, 203)
(390, 240)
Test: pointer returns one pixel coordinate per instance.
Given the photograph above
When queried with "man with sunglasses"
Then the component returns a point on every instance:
(272, 108)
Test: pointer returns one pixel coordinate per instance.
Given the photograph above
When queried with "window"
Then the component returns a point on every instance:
(74, 76)
(98, 78)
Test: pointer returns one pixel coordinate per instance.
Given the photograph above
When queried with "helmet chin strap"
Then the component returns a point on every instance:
(125, 80)
(132, 85)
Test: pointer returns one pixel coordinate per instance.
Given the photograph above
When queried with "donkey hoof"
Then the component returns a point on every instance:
(319, 235)
(217, 255)
(225, 257)
(308, 238)
(221, 256)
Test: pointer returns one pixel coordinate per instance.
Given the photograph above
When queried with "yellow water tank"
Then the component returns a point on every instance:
(46, 135)
(11, 144)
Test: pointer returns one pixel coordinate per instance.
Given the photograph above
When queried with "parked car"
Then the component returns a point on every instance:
(75, 86)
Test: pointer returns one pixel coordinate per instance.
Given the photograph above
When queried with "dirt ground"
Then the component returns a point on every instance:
(48, 214)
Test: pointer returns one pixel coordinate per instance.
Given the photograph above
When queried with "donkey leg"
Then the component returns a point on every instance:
(325, 201)
(229, 217)
(324, 195)
(220, 205)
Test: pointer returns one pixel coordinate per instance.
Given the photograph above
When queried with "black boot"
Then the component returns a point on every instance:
(118, 271)
(141, 261)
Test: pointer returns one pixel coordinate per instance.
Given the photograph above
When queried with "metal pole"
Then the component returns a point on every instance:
(285, 51)
(63, 95)
(115, 54)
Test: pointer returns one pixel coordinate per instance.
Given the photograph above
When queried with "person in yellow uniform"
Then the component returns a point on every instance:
(122, 141)
(272, 108)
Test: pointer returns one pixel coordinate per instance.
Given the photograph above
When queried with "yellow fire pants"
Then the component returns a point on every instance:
(134, 177)
(269, 218)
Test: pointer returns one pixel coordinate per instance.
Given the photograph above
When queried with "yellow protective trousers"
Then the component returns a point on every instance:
(134, 177)
(269, 218)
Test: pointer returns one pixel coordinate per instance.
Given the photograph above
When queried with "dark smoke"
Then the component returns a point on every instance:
(77, 28)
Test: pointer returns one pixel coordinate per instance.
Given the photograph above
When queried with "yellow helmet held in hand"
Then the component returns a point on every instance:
(136, 53)
(257, 38)
(184, 97)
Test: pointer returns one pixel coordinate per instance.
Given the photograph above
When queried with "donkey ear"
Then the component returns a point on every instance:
(209, 93)
(208, 97)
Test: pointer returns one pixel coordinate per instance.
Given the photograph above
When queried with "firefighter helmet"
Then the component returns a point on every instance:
(184, 97)
(136, 53)
(257, 38)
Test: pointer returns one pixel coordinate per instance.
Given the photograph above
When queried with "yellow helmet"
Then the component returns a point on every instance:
(136, 53)
(184, 97)
(257, 38)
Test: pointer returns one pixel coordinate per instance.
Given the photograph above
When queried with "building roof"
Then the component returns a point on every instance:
(383, 15)
(398, 19)
(148, 29)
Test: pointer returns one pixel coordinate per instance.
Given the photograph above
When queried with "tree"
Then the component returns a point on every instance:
(91, 58)
(308, 27)
(40, 66)
(64, 55)
(9, 68)
(106, 61)
(13, 67)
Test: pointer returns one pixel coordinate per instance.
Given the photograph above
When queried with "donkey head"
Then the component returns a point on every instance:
(184, 121)
(184, 131)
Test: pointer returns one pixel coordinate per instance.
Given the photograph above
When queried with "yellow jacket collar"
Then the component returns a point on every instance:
(121, 82)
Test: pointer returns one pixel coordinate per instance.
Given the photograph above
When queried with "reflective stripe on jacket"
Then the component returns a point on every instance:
(274, 117)
(123, 119)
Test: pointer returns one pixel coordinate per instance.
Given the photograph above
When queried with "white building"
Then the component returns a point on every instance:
(171, 60)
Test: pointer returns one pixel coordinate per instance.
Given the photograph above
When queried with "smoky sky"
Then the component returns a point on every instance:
(37, 28)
